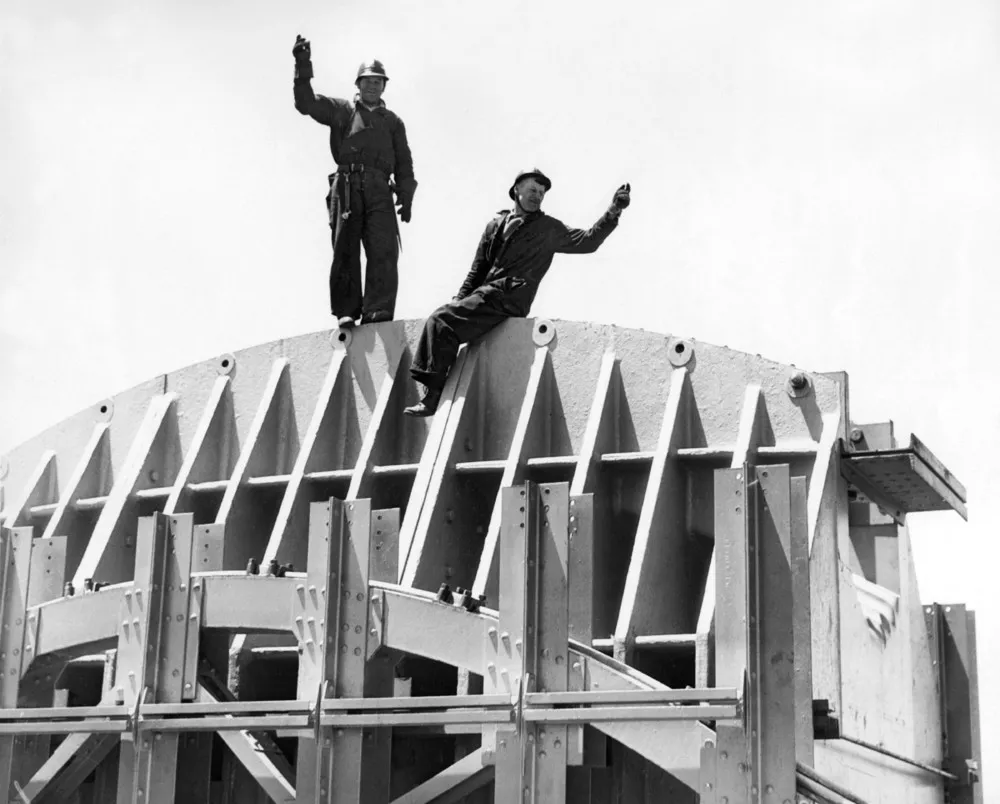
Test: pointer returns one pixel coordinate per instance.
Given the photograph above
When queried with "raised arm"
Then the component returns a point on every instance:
(307, 102)
(480, 264)
(587, 241)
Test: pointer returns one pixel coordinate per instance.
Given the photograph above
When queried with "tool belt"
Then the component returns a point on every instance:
(340, 188)
(361, 167)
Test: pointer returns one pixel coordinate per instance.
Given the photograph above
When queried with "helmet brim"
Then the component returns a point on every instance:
(540, 177)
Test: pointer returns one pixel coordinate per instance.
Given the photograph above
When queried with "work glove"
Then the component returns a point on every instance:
(405, 208)
(301, 51)
(622, 197)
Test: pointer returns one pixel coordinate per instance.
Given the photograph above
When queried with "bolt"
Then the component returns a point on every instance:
(769, 788)
(724, 755)
(857, 435)
(799, 381)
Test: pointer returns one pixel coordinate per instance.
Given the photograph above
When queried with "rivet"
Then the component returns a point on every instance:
(724, 755)
(357, 651)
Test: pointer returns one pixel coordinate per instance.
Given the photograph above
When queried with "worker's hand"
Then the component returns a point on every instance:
(405, 208)
(622, 197)
(301, 50)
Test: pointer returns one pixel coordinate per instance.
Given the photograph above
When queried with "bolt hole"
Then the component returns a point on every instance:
(342, 337)
(543, 329)
(679, 348)
(225, 363)
(104, 408)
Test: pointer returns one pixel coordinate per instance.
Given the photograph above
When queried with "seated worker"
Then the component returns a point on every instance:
(514, 254)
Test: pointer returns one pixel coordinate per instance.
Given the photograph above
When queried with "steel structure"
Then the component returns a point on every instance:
(615, 566)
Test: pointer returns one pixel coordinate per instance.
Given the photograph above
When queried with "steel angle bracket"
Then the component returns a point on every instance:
(376, 622)
(30, 641)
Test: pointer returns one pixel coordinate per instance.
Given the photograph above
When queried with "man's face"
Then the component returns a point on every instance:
(371, 89)
(530, 194)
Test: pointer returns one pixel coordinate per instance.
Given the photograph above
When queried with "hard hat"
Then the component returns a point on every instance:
(371, 69)
(534, 173)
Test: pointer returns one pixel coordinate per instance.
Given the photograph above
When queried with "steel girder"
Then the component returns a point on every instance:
(637, 424)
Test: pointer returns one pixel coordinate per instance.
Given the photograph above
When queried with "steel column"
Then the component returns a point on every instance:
(160, 620)
(338, 627)
(756, 633)
(952, 630)
(531, 649)
(15, 563)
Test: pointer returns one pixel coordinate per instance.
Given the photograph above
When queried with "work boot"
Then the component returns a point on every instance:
(426, 406)
(376, 317)
(345, 322)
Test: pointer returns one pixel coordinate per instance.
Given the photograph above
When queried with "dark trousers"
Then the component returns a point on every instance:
(450, 326)
(372, 222)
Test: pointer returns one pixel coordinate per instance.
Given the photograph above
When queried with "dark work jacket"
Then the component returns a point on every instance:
(511, 270)
(375, 138)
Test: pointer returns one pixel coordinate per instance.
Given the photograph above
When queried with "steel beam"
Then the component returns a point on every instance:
(452, 784)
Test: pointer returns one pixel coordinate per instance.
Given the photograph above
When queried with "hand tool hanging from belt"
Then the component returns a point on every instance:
(342, 193)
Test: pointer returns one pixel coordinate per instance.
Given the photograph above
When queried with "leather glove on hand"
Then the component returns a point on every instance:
(302, 49)
(622, 197)
(405, 208)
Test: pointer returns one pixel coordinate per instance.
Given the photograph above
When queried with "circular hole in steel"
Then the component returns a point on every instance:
(341, 336)
(104, 408)
(679, 348)
(225, 363)
(543, 329)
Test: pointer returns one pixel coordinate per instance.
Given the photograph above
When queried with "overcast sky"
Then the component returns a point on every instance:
(817, 183)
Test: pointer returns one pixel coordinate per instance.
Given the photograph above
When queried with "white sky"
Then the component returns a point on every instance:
(817, 183)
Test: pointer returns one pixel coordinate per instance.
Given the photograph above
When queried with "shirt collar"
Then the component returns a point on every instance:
(359, 102)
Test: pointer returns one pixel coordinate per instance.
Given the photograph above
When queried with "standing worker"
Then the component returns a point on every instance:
(368, 143)
(514, 254)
